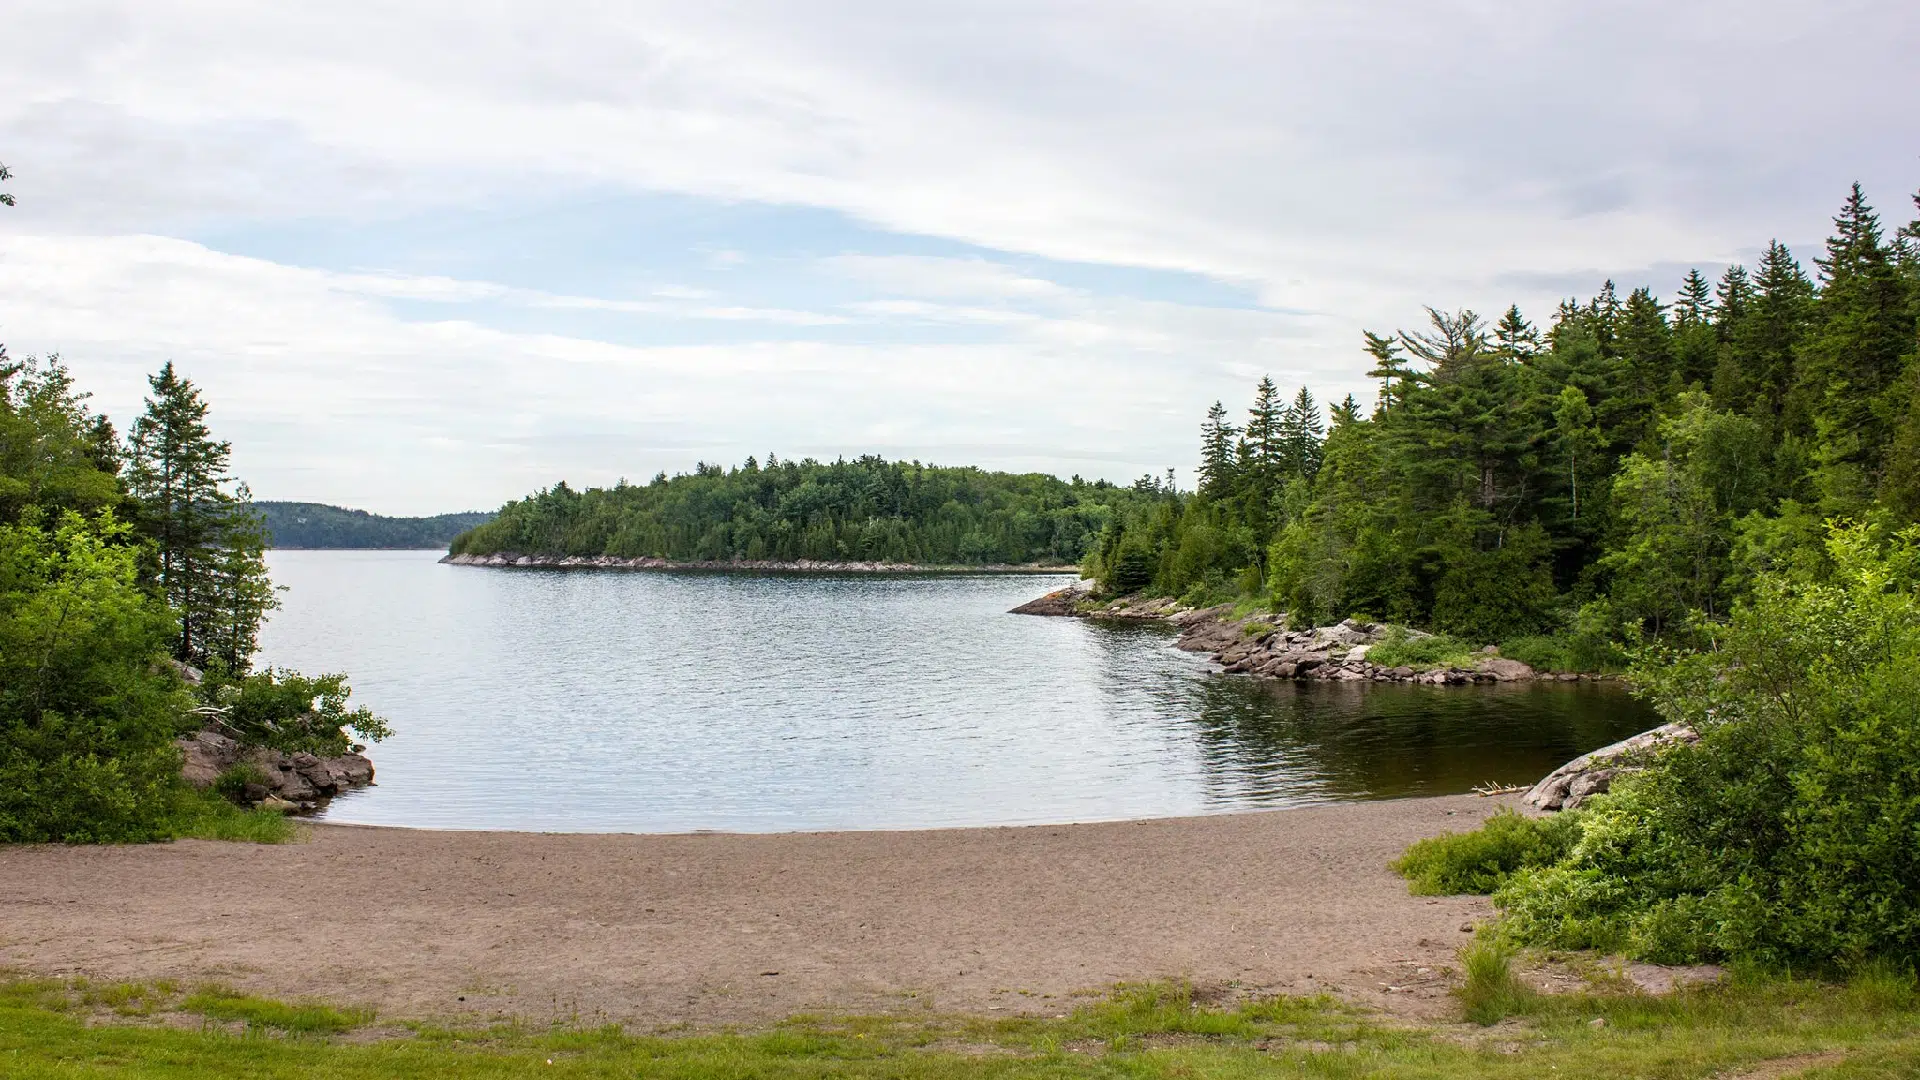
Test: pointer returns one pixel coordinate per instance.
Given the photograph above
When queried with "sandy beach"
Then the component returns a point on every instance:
(658, 930)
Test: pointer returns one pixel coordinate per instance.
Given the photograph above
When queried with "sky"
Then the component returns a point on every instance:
(430, 256)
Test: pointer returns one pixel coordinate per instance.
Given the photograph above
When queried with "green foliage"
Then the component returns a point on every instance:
(234, 782)
(87, 715)
(1491, 992)
(1481, 861)
(1787, 835)
(868, 509)
(1399, 647)
(204, 815)
(207, 540)
(317, 525)
(285, 710)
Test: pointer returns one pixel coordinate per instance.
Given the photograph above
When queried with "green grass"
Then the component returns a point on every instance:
(1400, 649)
(1480, 861)
(202, 815)
(1871, 1027)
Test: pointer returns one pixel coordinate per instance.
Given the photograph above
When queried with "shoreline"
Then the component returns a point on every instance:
(722, 928)
(514, 560)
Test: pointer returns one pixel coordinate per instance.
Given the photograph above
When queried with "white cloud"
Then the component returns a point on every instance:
(1350, 161)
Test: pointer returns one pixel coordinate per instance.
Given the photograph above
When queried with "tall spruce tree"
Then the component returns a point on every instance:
(206, 539)
(1216, 453)
(1854, 355)
(1389, 366)
(1767, 340)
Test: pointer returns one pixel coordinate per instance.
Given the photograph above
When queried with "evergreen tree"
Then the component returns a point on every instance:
(1451, 344)
(5, 175)
(1694, 337)
(1694, 308)
(1514, 338)
(1389, 367)
(1603, 318)
(1302, 433)
(1854, 355)
(1216, 453)
(177, 475)
(1768, 338)
(1646, 348)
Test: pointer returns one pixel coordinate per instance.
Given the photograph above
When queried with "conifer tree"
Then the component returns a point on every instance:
(177, 475)
(1768, 338)
(1389, 367)
(1694, 308)
(1302, 434)
(1216, 453)
(1853, 357)
(1452, 343)
(1694, 338)
(1514, 338)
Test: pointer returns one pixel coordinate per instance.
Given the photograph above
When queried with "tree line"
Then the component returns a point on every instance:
(1617, 475)
(868, 509)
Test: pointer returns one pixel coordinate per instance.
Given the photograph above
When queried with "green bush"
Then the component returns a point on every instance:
(1482, 860)
(1540, 652)
(233, 782)
(287, 711)
(87, 711)
(1790, 834)
(1401, 648)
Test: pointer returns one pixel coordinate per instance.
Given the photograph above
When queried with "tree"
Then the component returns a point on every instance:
(1216, 453)
(5, 175)
(1864, 328)
(1450, 344)
(1694, 308)
(177, 474)
(1389, 367)
(1514, 338)
(1573, 422)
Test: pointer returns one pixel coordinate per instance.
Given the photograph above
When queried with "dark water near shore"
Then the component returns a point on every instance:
(652, 702)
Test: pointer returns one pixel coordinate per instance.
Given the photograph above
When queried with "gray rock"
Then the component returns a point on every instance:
(1506, 670)
(1593, 774)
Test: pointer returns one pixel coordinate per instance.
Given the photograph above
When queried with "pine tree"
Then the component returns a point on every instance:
(1694, 308)
(1514, 338)
(1768, 338)
(1453, 343)
(1302, 435)
(1603, 318)
(1389, 367)
(1216, 453)
(1854, 356)
(1345, 411)
(5, 175)
(1646, 348)
(177, 475)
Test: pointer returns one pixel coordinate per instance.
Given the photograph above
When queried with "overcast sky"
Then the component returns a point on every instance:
(430, 256)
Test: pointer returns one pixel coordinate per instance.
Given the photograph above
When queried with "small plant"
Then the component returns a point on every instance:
(234, 782)
(1492, 992)
(204, 815)
(1481, 861)
(1403, 648)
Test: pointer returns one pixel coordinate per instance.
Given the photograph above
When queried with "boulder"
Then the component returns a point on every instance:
(1504, 670)
(1593, 774)
(298, 778)
(1058, 602)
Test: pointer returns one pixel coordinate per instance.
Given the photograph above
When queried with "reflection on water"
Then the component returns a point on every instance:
(668, 702)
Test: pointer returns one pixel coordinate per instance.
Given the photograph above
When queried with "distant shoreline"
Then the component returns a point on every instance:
(514, 560)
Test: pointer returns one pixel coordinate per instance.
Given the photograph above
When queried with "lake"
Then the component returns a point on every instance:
(672, 702)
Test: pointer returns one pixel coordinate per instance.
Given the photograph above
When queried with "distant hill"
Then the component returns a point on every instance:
(317, 525)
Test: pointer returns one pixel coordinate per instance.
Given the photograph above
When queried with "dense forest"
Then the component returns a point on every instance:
(318, 525)
(1618, 474)
(868, 509)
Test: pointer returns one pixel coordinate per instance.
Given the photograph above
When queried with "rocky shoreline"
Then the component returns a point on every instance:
(1264, 646)
(274, 780)
(508, 559)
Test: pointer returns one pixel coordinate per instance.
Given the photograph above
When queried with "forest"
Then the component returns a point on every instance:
(318, 525)
(862, 510)
(1618, 475)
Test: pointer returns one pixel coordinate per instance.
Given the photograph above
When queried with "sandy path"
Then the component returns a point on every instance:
(746, 928)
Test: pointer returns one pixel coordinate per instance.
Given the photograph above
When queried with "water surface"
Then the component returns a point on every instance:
(663, 702)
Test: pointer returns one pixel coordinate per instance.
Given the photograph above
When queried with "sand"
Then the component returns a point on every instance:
(713, 929)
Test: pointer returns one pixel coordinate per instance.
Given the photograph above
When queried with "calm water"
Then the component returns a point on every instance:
(568, 701)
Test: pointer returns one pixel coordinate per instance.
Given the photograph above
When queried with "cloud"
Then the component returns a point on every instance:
(1342, 164)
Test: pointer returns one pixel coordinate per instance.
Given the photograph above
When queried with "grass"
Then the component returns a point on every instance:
(1480, 861)
(1401, 649)
(203, 815)
(1871, 1027)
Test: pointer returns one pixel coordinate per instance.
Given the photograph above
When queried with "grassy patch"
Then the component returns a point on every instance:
(1398, 648)
(220, 1003)
(1868, 1028)
(1480, 861)
(203, 815)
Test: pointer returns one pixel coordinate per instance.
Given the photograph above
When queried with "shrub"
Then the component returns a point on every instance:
(1540, 652)
(1399, 647)
(1786, 836)
(288, 711)
(87, 712)
(1482, 860)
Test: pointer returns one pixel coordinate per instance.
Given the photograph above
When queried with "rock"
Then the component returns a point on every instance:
(1359, 652)
(204, 755)
(1506, 670)
(1058, 602)
(1664, 979)
(1593, 774)
(275, 802)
